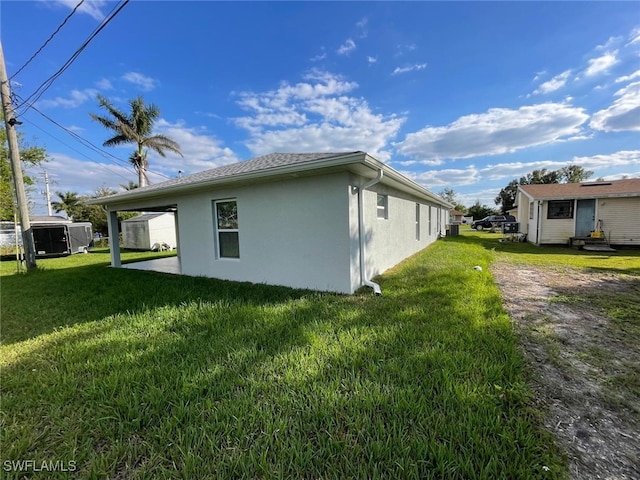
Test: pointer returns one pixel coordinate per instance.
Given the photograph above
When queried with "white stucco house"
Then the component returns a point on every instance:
(560, 213)
(322, 221)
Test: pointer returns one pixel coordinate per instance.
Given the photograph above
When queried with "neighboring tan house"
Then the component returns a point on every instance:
(323, 221)
(559, 213)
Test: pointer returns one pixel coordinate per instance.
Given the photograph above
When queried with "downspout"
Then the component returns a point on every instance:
(361, 233)
(538, 221)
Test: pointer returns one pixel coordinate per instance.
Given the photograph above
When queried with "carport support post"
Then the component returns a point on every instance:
(114, 238)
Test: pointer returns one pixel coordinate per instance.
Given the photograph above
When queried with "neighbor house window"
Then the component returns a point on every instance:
(418, 221)
(226, 215)
(560, 209)
(429, 220)
(531, 211)
(383, 206)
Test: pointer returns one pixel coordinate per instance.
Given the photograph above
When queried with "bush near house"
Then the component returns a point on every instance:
(133, 374)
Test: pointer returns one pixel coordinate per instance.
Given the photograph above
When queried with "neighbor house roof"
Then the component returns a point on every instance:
(600, 189)
(270, 167)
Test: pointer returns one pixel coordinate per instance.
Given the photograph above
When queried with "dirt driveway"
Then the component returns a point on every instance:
(584, 364)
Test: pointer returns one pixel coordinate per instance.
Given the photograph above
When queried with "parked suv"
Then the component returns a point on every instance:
(491, 221)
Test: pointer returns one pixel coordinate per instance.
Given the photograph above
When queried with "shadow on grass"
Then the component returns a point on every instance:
(222, 379)
(64, 297)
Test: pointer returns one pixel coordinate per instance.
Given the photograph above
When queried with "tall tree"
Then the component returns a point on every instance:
(68, 203)
(574, 174)
(29, 155)
(507, 196)
(135, 128)
(478, 211)
(450, 195)
(129, 186)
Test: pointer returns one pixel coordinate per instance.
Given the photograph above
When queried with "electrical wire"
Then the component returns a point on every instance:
(48, 40)
(86, 143)
(78, 151)
(44, 86)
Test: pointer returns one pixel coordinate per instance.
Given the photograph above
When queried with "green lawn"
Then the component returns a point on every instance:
(134, 374)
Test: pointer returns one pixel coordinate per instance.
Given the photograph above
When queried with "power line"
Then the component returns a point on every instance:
(31, 99)
(86, 143)
(102, 165)
(48, 40)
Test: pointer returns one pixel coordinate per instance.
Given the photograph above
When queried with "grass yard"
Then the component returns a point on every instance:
(132, 374)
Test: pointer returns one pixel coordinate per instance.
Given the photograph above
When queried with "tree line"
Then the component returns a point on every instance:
(505, 200)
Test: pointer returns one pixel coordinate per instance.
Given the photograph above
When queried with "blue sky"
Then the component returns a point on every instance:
(453, 94)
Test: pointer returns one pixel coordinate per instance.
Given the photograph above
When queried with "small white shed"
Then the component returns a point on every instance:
(145, 231)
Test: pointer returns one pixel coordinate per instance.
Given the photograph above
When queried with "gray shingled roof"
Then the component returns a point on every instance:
(263, 163)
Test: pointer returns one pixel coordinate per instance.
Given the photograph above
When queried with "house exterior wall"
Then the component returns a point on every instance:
(613, 213)
(618, 224)
(291, 233)
(555, 230)
(390, 240)
(302, 232)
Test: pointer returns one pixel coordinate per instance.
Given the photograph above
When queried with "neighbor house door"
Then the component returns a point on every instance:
(585, 217)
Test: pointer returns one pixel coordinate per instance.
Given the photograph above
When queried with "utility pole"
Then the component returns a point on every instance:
(16, 168)
(47, 192)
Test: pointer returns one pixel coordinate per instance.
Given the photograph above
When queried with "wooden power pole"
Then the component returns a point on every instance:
(16, 168)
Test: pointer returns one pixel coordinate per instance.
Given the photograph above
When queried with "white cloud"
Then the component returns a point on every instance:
(601, 64)
(104, 84)
(142, 81)
(372, 59)
(92, 8)
(511, 170)
(315, 115)
(410, 68)
(623, 114)
(319, 57)
(629, 77)
(498, 131)
(447, 177)
(68, 173)
(403, 49)
(609, 43)
(554, 84)
(634, 37)
(200, 150)
(347, 47)
(73, 100)
(539, 75)
(362, 27)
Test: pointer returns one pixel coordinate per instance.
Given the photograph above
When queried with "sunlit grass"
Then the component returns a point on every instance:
(625, 260)
(134, 374)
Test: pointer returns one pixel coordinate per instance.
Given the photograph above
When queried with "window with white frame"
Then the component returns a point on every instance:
(383, 206)
(531, 211)
(418, 221)
(429, 220)
(226, 226)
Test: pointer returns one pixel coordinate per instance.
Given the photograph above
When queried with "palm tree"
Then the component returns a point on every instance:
(135, 128)
(129, 186)
(69, 203)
